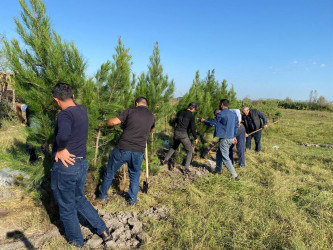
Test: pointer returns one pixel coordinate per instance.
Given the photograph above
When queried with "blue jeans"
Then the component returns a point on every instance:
(117, 158)
(257, 138)
(222, 155)
(67, 185)
(240, 150)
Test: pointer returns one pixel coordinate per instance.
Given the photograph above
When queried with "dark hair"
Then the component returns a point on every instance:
(225, 102)
(193, 105)
(62, 91)
(142, 100)
(215, 111)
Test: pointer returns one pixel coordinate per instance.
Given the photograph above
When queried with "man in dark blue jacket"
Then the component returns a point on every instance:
(70, 167)
(253, 120)
(226, 125)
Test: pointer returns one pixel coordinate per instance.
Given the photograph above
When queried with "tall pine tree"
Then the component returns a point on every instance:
(42, 61)
(111, 94)
(155, 86)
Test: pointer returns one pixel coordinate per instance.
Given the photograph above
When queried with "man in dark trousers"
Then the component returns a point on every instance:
(138, 123)
(240, 141)
(185, 122)
(70, 167)
(253, 120)
(226, 125)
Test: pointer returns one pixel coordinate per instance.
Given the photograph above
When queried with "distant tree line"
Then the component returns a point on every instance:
(314, 103)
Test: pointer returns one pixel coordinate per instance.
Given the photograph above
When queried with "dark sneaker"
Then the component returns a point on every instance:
(130, 202)
(106, 236)
(217, 173)
(103, 200)
(236, 178)
(187, 171)
(163, 162)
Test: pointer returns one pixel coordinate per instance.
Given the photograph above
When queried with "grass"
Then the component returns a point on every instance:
(283, 200)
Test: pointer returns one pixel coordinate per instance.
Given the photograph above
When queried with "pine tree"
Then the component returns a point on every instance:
(111, 93)
(43, 61)
(155, 86)
(207, 94)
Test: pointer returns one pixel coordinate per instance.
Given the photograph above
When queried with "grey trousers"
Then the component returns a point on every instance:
(181, 137)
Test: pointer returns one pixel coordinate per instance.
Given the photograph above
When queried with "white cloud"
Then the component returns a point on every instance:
(314, 62)
(323, 65)
(295, 62)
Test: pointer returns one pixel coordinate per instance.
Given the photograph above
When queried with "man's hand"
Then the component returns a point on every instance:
(196, 141)
(246, 135)
(265, 126)
(202, 119)
(65, 157)
(234, 141)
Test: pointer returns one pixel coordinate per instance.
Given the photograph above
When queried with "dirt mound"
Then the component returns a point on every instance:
(125, 227)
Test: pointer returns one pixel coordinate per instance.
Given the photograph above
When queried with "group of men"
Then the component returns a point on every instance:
(230, 127)
(70, 167)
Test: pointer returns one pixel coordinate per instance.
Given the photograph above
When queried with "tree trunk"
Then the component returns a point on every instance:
(97, 146)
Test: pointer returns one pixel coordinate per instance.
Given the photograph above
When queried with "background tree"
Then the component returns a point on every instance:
(108, 96)
(156, 87)
(207, 94)
(38, 65)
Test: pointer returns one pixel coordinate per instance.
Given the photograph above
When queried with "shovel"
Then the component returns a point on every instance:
(146, 182)
(203, 155)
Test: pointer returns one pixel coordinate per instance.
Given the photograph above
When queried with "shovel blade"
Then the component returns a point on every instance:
(145, 187)
(203, 155)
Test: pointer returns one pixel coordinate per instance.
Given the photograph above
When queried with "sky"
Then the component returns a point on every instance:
(265, 48)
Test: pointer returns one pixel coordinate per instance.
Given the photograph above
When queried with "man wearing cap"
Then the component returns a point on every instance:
(185, 122)
(240, 141)
(226, 125)
(253, 120)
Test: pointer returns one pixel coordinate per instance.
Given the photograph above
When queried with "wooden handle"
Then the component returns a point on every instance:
(146, 156)
(255, 131)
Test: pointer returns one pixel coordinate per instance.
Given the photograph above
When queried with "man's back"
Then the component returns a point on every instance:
(71, 131)
(228, 121)
(186, 121)
(137, 124)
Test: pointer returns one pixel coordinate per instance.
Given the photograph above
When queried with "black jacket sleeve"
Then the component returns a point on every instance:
(193, 130)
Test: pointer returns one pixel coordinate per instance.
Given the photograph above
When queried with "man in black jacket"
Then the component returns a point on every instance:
(253, 120)
(185, 121)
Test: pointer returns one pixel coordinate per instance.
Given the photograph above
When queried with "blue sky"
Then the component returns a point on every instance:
(266, 48)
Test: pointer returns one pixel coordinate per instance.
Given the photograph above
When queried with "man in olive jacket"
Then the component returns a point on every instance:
(253, 120)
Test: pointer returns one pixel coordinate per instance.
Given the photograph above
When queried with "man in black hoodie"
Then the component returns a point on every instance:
(253, 120)
(185, 122)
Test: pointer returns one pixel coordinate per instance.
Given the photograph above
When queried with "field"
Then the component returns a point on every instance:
(284, 198)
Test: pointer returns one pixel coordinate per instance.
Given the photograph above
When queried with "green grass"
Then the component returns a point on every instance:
(284, 198)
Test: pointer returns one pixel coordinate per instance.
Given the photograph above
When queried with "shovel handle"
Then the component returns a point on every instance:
(146, 156)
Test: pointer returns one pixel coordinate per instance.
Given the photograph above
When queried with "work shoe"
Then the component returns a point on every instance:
(102, 200)
(106, 236)
(163, 162)
(187, 171)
